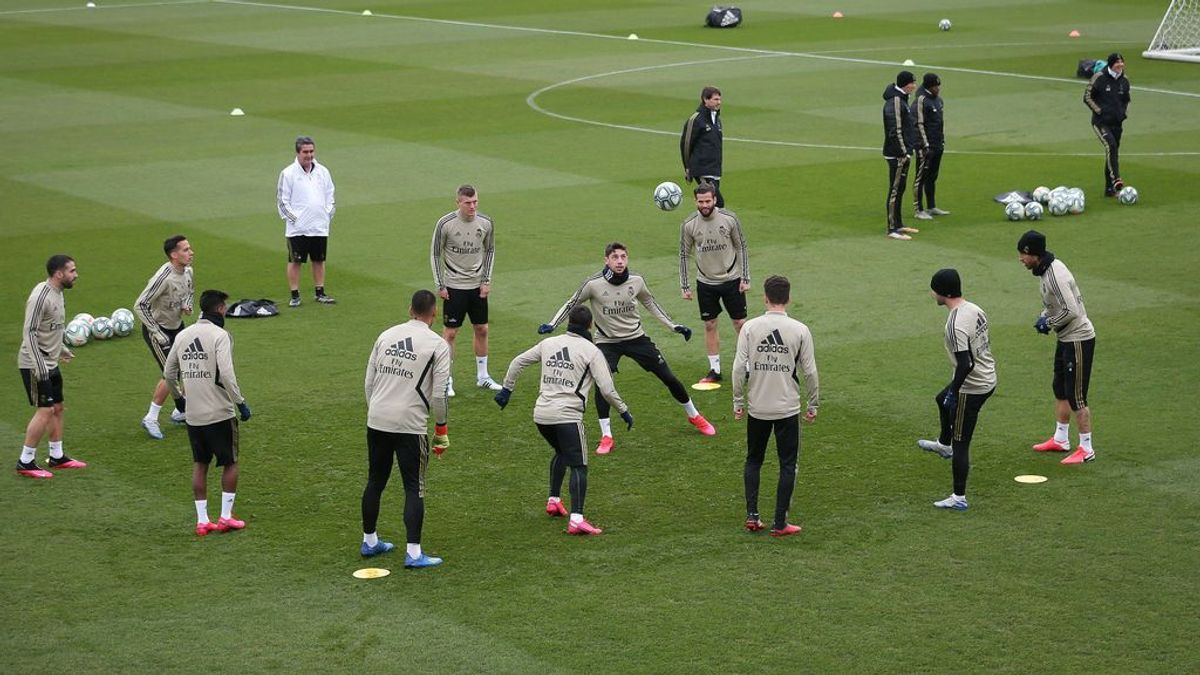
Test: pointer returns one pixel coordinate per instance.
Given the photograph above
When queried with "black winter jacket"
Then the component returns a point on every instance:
(899, 135)
(700, 144)
(1107, 97)
(926, 113)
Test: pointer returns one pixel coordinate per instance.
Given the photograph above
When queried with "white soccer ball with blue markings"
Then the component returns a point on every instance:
(122, 314)
(1014, 210)
(1075, 201)
(1042, 194)
(122, 322)
(1128, 195)
(77, 333)
(668, 196)
(84, 317)
(102, 328)
(1033, 211)
(1058, 205)
(945, 24)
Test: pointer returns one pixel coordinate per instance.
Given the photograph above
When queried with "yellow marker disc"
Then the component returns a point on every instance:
(371, 573)
(706, 386)
(1030, 478)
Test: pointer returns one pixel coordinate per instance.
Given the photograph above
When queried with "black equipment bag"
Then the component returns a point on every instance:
(724, 17)
(252, 309)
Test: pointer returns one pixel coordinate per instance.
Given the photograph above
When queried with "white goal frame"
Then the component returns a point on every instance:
(1178, 35)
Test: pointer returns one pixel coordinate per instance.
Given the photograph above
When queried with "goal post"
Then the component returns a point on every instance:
(1178, 36)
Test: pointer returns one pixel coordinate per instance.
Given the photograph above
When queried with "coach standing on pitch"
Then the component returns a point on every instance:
(701, 141)
(898, 138)
(927, 110)
(969, 347)
(1107, 95)
(1064, 313)
(305, 201)
(773, 350)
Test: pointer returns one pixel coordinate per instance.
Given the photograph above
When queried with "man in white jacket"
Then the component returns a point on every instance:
(305, 203)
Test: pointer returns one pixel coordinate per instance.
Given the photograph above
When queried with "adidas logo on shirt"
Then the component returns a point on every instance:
(403, 349)
(194, 352)
(561, 360)
(773, 343)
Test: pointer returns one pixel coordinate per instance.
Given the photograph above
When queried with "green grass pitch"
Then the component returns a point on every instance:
(116, 133)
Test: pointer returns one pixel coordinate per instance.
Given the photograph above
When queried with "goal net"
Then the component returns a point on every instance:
(1178, 36)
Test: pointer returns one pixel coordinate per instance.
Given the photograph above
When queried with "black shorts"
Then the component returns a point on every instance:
(158, 351)
(640, 349)
(1073, 371)
(710, 298)
(302, 247)
(464, 302)
(46, 393)
(567, 440)
(219, 439)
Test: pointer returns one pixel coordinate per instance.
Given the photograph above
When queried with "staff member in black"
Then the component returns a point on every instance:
(700, 143)
(898, 141)
(926, 113)
(1107, 95)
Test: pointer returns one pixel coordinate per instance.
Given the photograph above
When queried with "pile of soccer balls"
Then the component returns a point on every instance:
(84, 327)
(1060, 201)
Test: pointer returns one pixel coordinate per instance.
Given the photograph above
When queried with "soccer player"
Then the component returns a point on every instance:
(1063, 312)
(898, 138)
(461, 256)
(406, 377)
(41, 349)
(614, 293)
(974, 380)
(772, 351)
(161, 306)
(701, 141)
(570, 365)
(202, 359)
(931, 143)
(722, 270)
(305, 203)
(1107, 95)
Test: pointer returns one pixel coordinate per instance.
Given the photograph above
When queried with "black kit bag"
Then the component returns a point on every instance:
(724, 17)
(252, 309)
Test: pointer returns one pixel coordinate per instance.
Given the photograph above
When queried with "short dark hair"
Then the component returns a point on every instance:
(171, 243)
(302, 141)
(423, 302)
(580, 316)
(709, 92)
(57, 262)
(778, 290)
(211, 299)
(616, 245)
(465, 190)
(704, 186)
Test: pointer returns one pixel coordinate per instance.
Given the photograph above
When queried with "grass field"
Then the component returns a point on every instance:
(116, 130)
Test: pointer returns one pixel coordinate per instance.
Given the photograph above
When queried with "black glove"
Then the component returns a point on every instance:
(545, 328)
(1042, 325)
(684, 331)
(502, 397)
(244, 410)
(628, 417)
(951, 400)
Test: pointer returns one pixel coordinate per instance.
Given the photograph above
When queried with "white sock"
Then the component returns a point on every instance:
(414, 550)
(56, 450)
(27, 454)
(576, 517)
(714, 362)
(481, 367)
(201, 511)
(691, 409)
(370, 539)
(152, 414)
(1062, 432)
(1086, 441)
(959, 498)
(227, 504)
(556, 500)
(606, 427)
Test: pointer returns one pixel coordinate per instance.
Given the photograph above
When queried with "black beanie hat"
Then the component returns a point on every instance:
(945, 282)
(1114, 57)
(931, 80)
(1032, 243)
(905, 78)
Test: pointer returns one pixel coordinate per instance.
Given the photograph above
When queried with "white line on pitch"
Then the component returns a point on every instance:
(80, 8)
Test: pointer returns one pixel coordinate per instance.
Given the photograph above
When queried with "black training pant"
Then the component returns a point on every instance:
(568, 443)
(787, 444)
(411, 452)
(1110, 138)
(643, 351)
(897, 179)
(958, 425)
(929, 164)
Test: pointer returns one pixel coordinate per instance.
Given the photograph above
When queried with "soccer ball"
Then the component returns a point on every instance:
(84, 317)
(102, 328)
(1128, 195)
(76, 334)
(122, 322)
(1033, 211)
(944, 24)
(1014, 210)
(1075, 201)
(1042, 194)
(667, 196)
(122, 314)
(1058, 205)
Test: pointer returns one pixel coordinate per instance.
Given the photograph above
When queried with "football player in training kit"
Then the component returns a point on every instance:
(1107, 96)
(614, 293)
(41, 349)
(570, 363)
(161, 306)
(722, 270)
(926, 112)
(406, 378)
(899, 136)
(202, 359)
